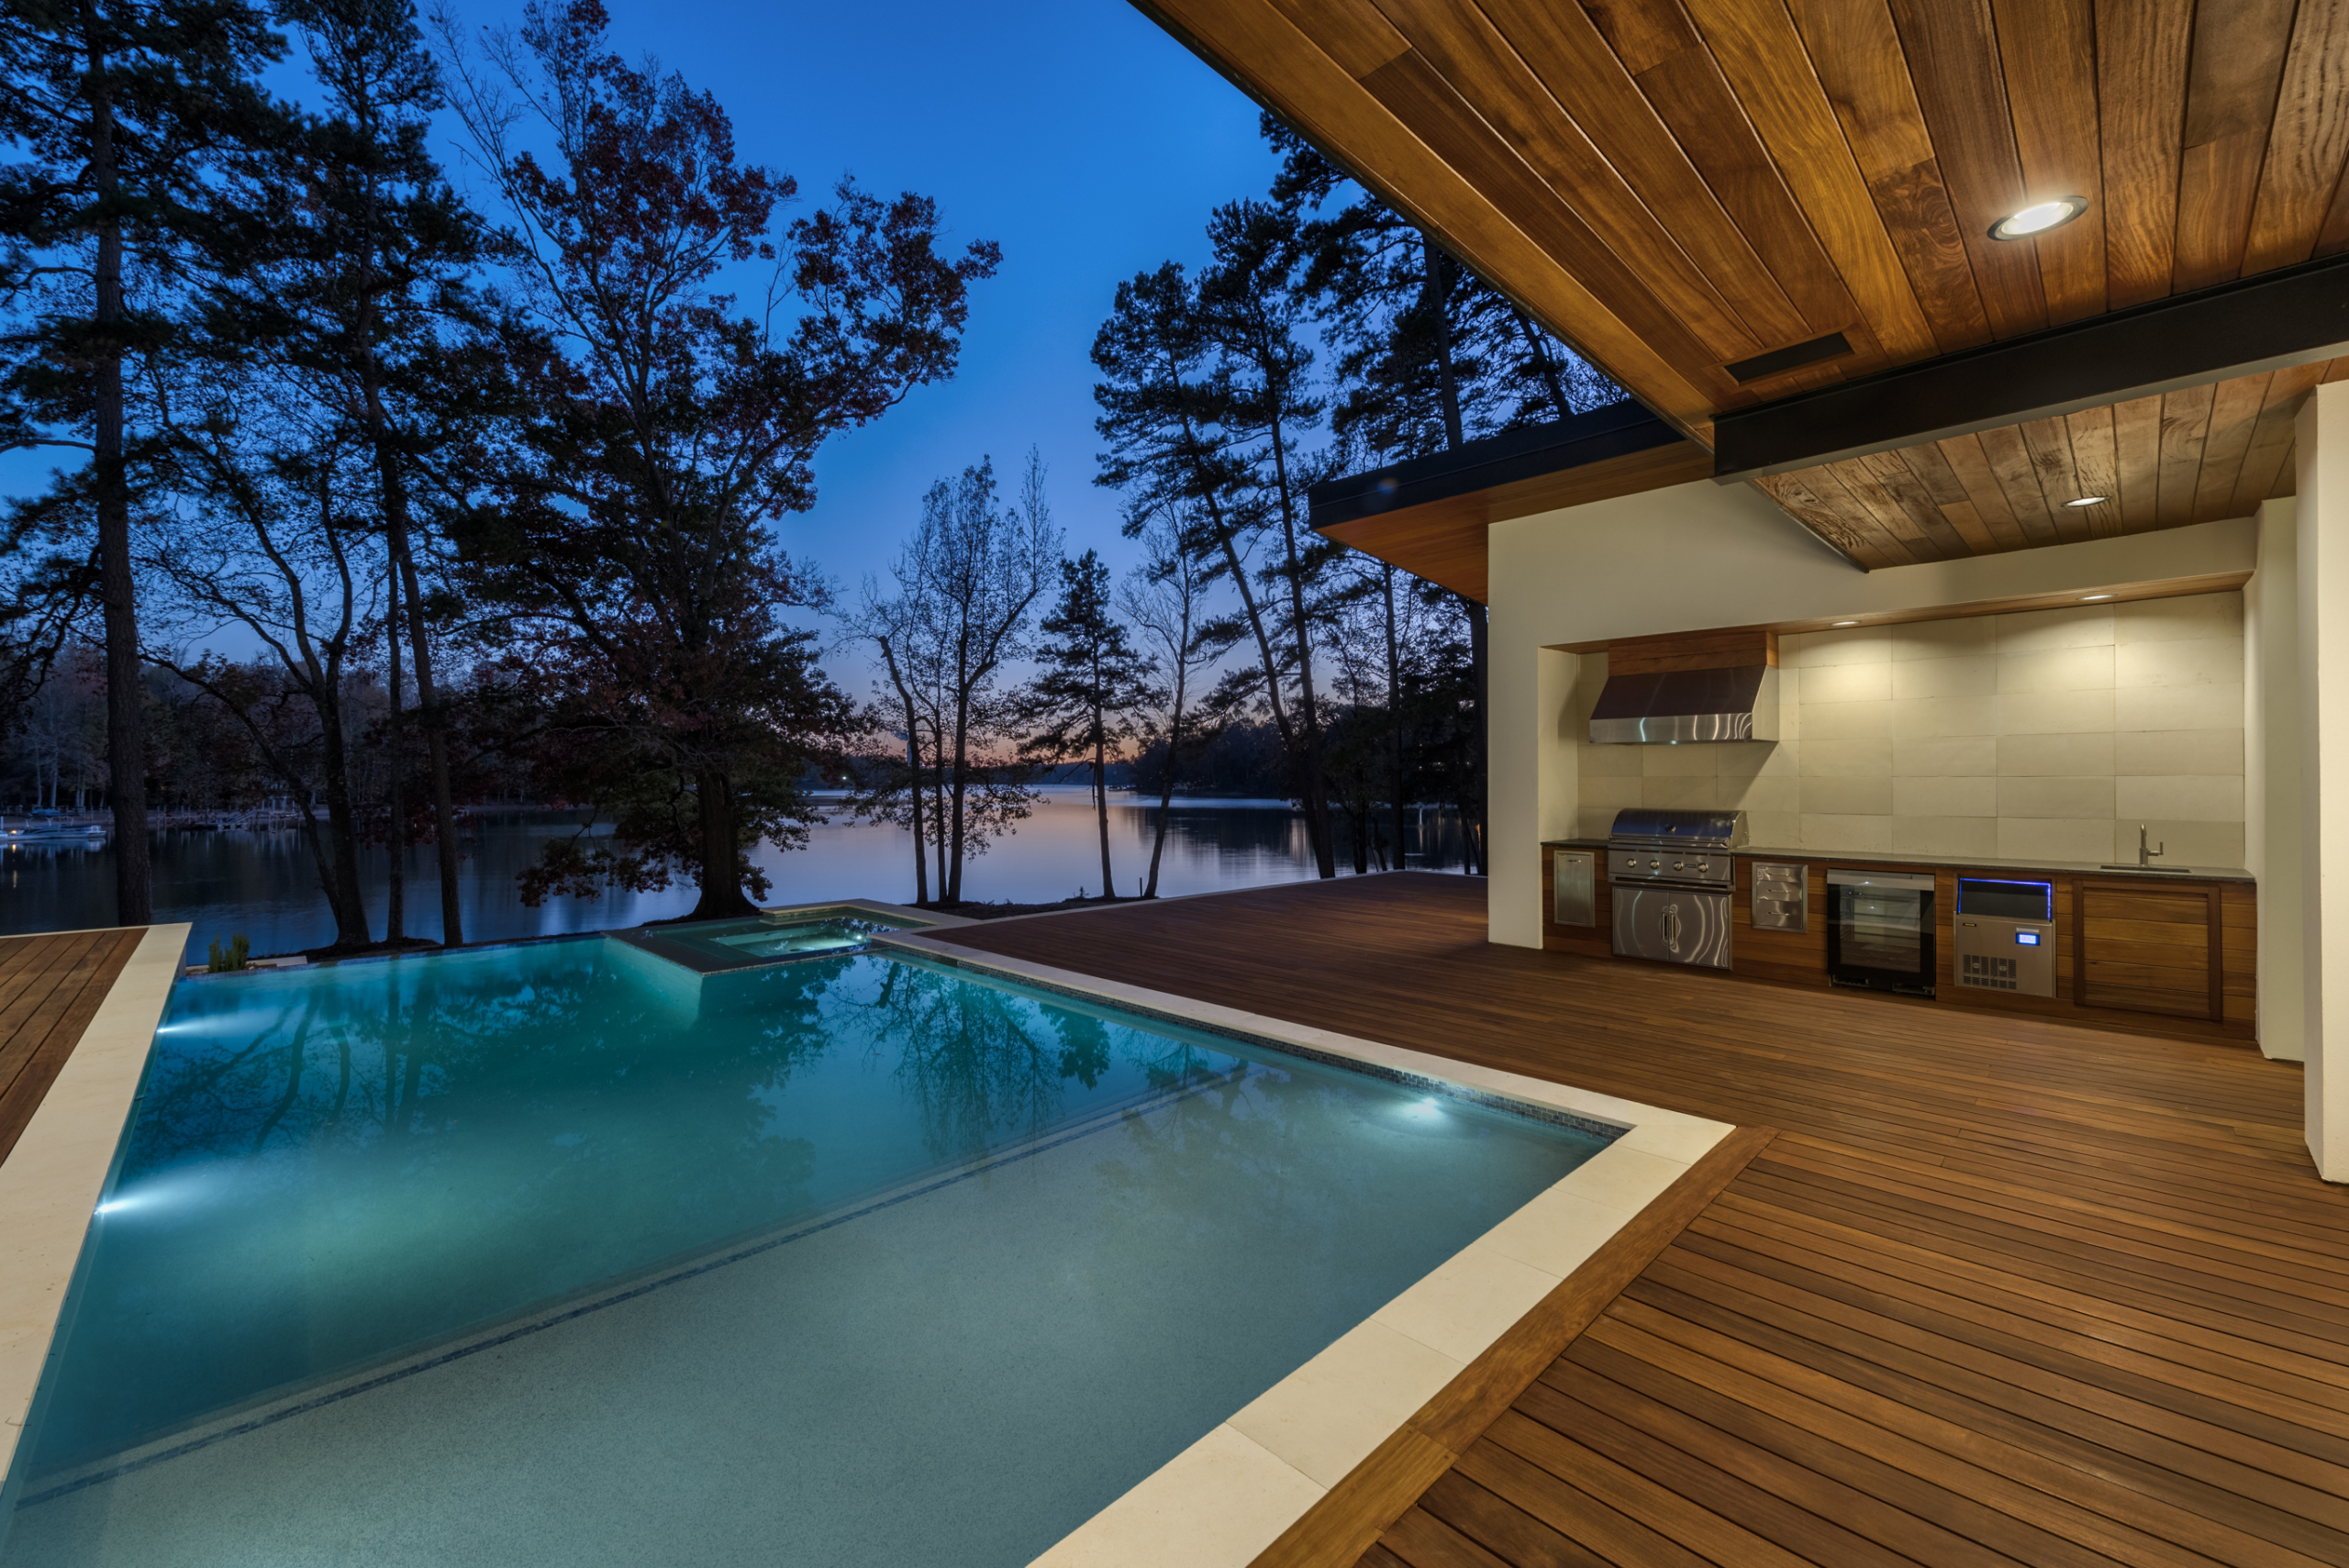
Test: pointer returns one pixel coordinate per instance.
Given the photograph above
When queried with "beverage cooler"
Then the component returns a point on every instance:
(1880, 930)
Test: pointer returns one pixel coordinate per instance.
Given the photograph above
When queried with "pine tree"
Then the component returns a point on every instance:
(1089, 683)
(122, 113)
(356, 284)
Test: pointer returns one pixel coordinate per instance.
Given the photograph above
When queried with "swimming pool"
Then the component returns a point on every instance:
(562, 1253)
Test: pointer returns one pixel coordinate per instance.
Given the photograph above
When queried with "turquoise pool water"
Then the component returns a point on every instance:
(564, 1255)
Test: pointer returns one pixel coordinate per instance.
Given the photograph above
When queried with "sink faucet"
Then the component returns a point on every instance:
(2146, 857)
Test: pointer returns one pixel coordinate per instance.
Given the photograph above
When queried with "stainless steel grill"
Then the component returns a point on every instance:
(1691, 848)
(1670, 873)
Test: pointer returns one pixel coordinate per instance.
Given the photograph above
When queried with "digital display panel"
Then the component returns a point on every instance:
(2027, 939)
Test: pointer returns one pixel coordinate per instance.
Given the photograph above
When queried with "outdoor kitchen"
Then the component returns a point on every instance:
(2040, 811)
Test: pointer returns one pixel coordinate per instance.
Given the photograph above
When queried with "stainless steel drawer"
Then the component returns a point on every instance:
(1574, 893)
(1673, 925)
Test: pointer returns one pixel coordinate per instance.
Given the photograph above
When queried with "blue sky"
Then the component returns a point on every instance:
(1074, 133)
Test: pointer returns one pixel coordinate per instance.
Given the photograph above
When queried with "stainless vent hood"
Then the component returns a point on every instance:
(1668, 707)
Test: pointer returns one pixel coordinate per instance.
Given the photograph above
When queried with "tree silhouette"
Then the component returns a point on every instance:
(1089, 683)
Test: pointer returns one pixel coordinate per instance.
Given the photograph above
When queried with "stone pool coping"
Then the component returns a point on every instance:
(50, 1183)
(1231, 1495)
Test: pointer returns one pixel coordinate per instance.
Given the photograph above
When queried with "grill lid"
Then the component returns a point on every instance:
(1655, 825)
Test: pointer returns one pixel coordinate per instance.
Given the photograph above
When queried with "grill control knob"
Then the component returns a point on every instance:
(1680, 865)
(1656, 863)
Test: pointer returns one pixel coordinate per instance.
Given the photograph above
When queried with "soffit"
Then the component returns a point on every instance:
(1680, 185)
(1443, 541)
(2197, 455)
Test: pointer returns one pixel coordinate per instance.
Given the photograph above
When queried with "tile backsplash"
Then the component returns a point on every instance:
(2048, 735)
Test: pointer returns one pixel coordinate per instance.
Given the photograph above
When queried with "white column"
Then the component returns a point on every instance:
(2322, 446)
(1530, 782)
(2271, 767)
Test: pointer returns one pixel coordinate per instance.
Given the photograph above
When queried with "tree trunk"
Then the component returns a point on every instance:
(134, 893)
(1101, 802)
(1394, 707)
(343, 894)
(395, 799)
(394, 487)
(1316, 790)
(958, 787)
(1472, 824)
(1471, 806)
(913, 770)
(721, 877)
(1166, 788)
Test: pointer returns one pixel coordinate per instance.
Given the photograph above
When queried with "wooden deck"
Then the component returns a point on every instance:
(49, 988)
(2000, 1290)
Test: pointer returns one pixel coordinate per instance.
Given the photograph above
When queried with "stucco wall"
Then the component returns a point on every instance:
(2045, 735)
(1704, 555)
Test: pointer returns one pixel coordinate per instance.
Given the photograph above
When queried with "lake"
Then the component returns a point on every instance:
(263, 884)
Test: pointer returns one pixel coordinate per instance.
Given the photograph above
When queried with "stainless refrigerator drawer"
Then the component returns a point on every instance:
(1574, 895)
(1674, 925)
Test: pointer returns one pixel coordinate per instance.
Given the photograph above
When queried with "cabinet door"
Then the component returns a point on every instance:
(2147, 949)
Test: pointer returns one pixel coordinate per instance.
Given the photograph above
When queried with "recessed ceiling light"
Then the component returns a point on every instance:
(2087, 596)
(2039, 217)
(2089, 501)
(1847, 623)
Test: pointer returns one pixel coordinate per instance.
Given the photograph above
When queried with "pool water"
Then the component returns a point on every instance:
(561, 1253)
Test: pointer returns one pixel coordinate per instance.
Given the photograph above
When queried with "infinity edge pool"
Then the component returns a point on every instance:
(1222, 1501)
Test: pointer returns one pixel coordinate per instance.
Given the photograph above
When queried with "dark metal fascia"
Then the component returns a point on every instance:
(1617, 430)
(2292, 316)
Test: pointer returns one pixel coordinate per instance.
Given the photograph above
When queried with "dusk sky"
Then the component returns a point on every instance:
(1074, 133)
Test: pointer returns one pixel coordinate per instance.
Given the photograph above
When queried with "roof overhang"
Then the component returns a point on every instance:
(1428, 515)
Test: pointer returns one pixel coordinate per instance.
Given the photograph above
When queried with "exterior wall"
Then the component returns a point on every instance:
(2271, 774)
(2321, 569)
(2049, 735)
(1705, 555)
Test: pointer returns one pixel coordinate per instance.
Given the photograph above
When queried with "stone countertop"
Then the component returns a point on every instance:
(1955, 862)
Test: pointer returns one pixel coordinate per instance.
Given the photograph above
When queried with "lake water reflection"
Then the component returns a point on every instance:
(263, 885)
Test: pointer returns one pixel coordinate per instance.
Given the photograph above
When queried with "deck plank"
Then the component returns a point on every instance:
(2001, 1290)
(50, 989)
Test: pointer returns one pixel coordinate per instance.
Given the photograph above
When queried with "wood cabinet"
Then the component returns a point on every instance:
(2148, 949)
(2168, 957)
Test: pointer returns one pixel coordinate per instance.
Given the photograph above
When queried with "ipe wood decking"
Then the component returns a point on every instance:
(1998, 1290)
(50, 989)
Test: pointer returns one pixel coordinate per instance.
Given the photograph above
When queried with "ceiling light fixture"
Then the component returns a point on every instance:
(1847, 623)
(2092, 596)
(2089, 501)
(2039, 217)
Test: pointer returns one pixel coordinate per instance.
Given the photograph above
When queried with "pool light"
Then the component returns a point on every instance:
(2039, 217)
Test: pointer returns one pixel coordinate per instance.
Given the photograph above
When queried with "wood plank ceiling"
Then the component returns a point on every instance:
(2192, 456)
(1681, 185)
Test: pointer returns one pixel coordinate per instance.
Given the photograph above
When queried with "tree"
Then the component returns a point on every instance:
(357, 285)
(1429, 353)
(121, 111)
(631, 547)
(1088, 683)
(1166, 597)
(1195, 436)
(267, 543)
(967, 584)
